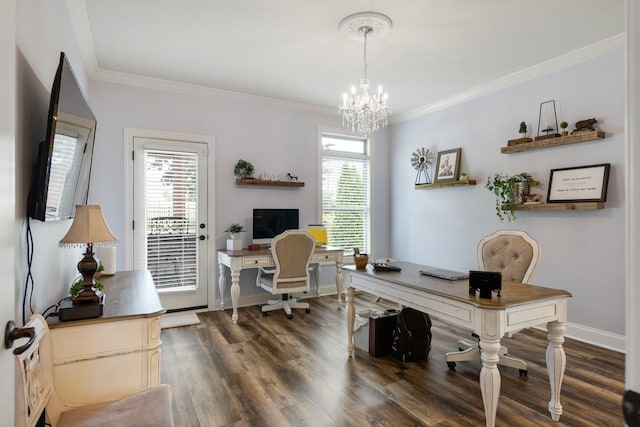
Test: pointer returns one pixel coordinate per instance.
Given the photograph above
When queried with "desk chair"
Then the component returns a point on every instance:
(291, 251)
(516, 255)
(35, 392)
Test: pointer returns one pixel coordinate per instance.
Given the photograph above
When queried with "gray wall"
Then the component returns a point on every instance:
(582, 252)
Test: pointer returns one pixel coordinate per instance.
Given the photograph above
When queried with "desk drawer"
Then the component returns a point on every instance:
(256, 262)
(326, 257)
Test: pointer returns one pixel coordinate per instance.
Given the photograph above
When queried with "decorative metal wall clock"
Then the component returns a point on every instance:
(421, 159)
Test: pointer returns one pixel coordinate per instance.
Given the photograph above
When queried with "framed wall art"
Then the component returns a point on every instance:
(579, 184)
(448, 165)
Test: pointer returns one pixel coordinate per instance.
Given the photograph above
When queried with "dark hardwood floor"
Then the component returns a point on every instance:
(271, 371)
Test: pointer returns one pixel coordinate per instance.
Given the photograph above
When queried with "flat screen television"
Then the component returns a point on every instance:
(268, 223)
(63, 165)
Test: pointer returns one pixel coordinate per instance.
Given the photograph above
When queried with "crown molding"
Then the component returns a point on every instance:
(564, 61)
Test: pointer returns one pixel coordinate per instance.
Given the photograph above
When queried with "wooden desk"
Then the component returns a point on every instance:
(237, 261)
(520, 306)
(117, 354)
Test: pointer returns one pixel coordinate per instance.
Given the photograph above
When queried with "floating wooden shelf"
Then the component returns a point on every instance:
(445, 184)
(576, 138)
(578, 206)
(265, 182)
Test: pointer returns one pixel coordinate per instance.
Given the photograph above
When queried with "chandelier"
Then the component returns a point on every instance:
(360, 111)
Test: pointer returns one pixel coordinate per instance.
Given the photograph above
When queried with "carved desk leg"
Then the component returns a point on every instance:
(556, 362)
(235, 294)
(351, 318)
(339, 282)
(222, 284)
(490, 378)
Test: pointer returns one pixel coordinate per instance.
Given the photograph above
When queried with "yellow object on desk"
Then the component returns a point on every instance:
(319, 233)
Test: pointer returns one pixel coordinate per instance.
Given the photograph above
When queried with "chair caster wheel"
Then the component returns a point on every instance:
(452, 365)
(307, 310)
(523, 372)
(289, 316)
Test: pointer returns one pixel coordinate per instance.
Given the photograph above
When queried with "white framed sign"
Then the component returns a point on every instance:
(579, 184)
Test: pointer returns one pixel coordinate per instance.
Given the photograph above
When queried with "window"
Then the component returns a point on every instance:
(345, 191)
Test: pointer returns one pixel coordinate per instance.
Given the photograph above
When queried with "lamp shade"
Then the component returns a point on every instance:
(88, 226)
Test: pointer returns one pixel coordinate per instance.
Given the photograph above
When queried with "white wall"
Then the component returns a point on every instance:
(583, 252)
(274, 137)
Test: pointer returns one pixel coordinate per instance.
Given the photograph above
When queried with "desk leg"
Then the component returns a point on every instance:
(556, 362)
(222, 284)
(490, 378)
(351, 318)
(339, 283)
(235, 294)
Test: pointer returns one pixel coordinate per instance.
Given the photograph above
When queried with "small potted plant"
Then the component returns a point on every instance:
(523, 130)
(463, 176)
(564, 126)
(76, 287)
(234, 243)
(243, 169)
(509, 191)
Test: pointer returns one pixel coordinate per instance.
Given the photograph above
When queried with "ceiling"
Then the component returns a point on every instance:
(293, 50)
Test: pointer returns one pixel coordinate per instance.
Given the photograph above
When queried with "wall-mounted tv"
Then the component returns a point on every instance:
(63, 166)
(268, 223)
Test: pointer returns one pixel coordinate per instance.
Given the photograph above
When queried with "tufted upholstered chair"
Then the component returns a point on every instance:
(291, 251)
(516, 255)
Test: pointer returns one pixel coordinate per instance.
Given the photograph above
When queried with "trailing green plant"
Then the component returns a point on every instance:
(504, 188)
(76, 287)
(243, 169)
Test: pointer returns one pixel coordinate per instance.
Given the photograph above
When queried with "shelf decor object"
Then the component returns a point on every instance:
(361, 111)
(448, 165)
(510, 191)
(421, 159)
(580, 206)
(579, 184)
(547, 121)
(574, 138)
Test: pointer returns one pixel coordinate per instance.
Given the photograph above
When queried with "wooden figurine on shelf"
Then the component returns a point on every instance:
(585, 125)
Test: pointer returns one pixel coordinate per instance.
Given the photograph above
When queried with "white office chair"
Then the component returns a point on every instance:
(291, 251)
(516, 255)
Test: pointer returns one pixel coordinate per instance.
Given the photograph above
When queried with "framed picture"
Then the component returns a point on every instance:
(579, 184)
(448, 165)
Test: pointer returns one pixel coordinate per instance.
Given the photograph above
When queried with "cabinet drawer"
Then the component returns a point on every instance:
(326, 257)
(256, 262)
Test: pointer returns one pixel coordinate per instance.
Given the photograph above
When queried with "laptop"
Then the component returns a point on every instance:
(443, 273)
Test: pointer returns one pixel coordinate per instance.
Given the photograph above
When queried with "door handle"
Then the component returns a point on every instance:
(11, 333)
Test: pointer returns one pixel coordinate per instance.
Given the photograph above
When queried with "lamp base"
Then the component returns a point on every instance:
(70, 311)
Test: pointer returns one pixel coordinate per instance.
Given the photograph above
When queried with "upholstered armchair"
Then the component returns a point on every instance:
(516, 255)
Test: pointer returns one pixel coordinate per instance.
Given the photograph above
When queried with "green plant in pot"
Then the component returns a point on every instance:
(243, 169)
(76, 287)
(523, 129)
(564, 126)
(234, 229)
(506, 189)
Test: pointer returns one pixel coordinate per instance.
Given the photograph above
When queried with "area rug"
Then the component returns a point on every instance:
(175, 320)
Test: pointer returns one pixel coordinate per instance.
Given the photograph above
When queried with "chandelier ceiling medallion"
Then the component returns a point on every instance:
(360, 111)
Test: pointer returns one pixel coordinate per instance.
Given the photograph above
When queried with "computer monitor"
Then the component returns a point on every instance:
(268, 223)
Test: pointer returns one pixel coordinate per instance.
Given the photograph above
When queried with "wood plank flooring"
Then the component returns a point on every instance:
(272, 371)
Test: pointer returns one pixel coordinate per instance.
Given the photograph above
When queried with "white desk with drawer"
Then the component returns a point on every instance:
(237, 261)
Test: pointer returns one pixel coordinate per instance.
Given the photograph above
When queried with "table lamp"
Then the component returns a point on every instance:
(88, 227)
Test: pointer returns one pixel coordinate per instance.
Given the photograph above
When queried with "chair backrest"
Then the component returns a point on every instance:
(514, 253)
(292, 251)
(34, 372)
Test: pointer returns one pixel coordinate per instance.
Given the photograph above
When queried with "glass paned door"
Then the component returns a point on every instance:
(170, 219)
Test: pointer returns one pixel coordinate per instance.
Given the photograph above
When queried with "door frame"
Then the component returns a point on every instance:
(129, 135)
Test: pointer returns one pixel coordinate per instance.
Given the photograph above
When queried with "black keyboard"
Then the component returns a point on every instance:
(381, 266)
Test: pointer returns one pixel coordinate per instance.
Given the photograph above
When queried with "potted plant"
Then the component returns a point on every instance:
(76, 287)
(234, 243)
(463, 176)
(509, 190)
(243, 169)
(523, 130)
(564, 126)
